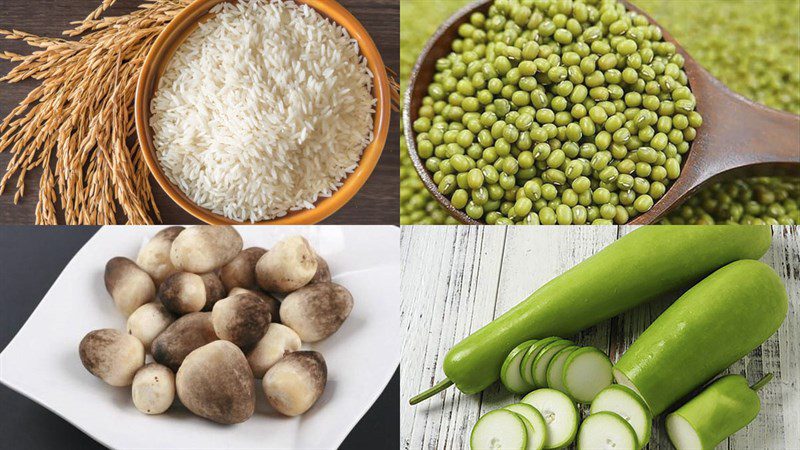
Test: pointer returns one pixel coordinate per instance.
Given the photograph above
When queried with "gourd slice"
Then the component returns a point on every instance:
(526, 368)
(510, 375)
(543, 360)
(534, 423)
(559, 413)
(606, 430)
(627, 404)
(556, 368)
(586, 372)
(500, 428)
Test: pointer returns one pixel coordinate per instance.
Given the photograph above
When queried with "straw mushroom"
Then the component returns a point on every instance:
(153, 389)
(323, 273)
(288, 266)
(241, 272)
(241, 319)
(186, 334)
(183, 293)
(154, 257)
(129, 285)
(272, 302)
(203, 248)
(278, 342)
(316, 311)
(295, 382)
(112, 356)
(215, 291)
(215, 382)
(148, 321)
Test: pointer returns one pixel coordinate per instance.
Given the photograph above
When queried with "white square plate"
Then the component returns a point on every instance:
(42, 362)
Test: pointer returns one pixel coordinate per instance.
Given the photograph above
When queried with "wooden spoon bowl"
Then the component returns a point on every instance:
(738, 136)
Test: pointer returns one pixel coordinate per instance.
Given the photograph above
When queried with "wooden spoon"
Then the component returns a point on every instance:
(738, 136)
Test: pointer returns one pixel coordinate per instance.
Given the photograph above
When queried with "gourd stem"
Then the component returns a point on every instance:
(438, 387)
(762, 382)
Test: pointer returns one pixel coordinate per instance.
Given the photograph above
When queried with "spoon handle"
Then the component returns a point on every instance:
(740, 133)
(737, 136)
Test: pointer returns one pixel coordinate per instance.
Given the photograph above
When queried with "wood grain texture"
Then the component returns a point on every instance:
(376, 203)
(457, 279)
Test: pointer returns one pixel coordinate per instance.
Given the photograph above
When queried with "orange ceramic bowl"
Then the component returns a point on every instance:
(177, 31)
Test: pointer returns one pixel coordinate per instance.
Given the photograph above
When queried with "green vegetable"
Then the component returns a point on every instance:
(526, 368)
(500, 429)
(586, 372)
(722, 409)
(510, 374)
(556, 367)
(639, 266)
(627, 404)
(534, 423)
(712, 325)
(543, 359)
(606, 430)
(560, 416)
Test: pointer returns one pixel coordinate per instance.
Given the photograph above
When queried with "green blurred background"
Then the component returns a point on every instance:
(752, 46)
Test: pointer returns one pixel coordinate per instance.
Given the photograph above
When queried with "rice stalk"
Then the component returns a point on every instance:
(76, 124)
(394, 87)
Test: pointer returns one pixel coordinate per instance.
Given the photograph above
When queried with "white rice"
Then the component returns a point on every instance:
(263, 109)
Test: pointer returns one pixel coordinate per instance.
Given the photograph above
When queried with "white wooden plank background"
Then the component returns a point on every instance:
(454, 280)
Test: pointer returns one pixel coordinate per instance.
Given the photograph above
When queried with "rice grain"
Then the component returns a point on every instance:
(264, 109)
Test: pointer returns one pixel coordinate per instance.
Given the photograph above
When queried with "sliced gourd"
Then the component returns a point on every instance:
(559, 413)
(534, 422)
(723, 408)
(556, 366)
(499, 429)
(510, 375)
(586, 372)
(606, 430)
(682, 434)
(543, 359)
(526, 368)
(627, 404)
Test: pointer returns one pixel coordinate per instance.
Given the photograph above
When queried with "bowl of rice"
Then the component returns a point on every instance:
(262, 111)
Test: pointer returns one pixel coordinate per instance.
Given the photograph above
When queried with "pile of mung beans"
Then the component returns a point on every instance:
(417, 206)
(556, 112)
(763, 200)
(754, 201)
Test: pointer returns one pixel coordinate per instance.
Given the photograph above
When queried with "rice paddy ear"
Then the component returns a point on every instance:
(97, 86)
(394, 85)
